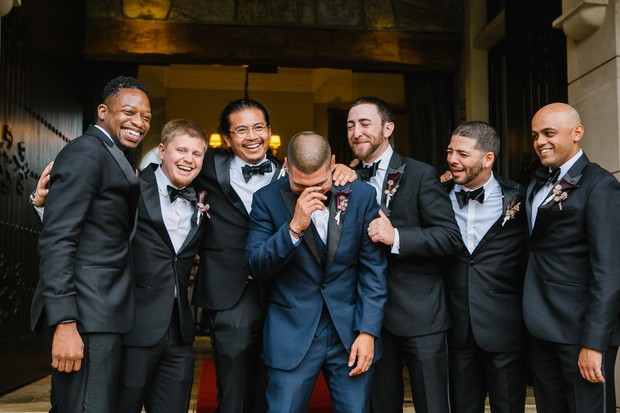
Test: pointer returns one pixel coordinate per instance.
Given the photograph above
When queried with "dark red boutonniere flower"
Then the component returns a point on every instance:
(342, 201)
(560, 193)
(202, 207)
(393, 179)
(512, 209)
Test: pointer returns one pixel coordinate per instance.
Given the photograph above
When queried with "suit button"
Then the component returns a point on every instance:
(323, 286)
(472, 262)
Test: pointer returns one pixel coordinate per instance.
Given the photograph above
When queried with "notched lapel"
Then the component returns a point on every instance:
(290, 200)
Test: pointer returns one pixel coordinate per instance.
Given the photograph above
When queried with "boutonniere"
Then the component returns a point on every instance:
(560, 193)
(202, 207)
(342, 201)
(393, 179)
(282, 172)
(512, 209)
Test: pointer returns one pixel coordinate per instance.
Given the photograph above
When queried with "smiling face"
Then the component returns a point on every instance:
(556, 132)
(126, 117)
(470, 166)
(181, 159)
(367, 134)
(252, 147)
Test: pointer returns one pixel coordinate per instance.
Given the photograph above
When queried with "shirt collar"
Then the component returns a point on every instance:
(489, 185)
(383, 159)
(105, 132)
(569, 164)
(239, 163)
(163, 182)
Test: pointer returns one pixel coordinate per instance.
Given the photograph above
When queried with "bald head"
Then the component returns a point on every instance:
(556, 132)
(560, 112)
(308, 151)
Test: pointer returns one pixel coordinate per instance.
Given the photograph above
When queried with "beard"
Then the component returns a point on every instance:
(470, 174)
(365, 153)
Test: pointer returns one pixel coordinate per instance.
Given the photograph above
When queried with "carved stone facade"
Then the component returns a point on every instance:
(433, 16)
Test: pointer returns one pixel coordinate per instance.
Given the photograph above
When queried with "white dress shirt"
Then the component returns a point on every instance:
(177, 215)
(475, 219)
(246, 190)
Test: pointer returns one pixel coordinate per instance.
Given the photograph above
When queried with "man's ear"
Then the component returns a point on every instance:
(578, 132)
(488, 159)
(388, 129)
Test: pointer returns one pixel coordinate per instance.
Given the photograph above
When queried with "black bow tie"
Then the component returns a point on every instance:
(186, 193)
(368, 171)
(544, 176)
(250, 170)
(463, 197)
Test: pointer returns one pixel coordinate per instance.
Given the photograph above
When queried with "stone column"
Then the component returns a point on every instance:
(592, 28)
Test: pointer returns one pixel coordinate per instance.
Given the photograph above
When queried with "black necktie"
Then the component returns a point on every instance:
(463, 197)
(187, 193)
(250, 170)
(368, 171)
(545, 176)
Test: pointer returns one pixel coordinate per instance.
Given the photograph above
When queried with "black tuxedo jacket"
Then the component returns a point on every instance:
(572, 284)
(158, 269)
(421, 211)
(84, 243)
(221, 277)
(485, 287)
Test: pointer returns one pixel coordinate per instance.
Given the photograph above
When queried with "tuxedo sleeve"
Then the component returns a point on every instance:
(74, 182)
(268, 248)
(372, 279)
(603, 237)
(438, 233)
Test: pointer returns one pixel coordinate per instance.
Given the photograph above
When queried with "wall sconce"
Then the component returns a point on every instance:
(215, 140)
(5, 7)
(274, 143)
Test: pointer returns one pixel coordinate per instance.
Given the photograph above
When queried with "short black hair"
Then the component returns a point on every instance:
(114, 86)
(485, 135)
(239, 105)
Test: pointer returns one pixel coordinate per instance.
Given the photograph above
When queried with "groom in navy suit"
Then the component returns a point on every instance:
(309, 240)
(571, 297)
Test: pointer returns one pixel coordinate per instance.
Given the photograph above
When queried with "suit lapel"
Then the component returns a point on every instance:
(290, 200)
(222, 171)
(572, 176)
(192, 231)
(334, 229)
(151, 201)
(116, 153)
(394, 166)
(508, 194)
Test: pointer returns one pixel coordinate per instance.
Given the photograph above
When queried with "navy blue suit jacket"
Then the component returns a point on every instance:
(352, 284)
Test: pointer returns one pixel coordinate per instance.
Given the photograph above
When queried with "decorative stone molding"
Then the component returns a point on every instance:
(583, 19)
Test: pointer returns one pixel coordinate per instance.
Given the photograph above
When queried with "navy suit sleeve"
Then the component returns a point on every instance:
(372, 279)
(438, 233)
(268, 248)
(74, 183)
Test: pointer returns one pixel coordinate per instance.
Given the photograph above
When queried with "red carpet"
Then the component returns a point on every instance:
(207, 399)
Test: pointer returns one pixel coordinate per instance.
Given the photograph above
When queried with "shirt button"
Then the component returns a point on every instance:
(472, 262)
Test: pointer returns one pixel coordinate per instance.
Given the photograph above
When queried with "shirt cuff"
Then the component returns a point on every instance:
(396, 247)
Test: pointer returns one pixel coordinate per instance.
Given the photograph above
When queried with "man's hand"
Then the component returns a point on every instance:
(447, 176)
(310, 200)
(590, 363)
(67, 348)
(342, 174)
(41, 191)
(381, 230)
(362, 353)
